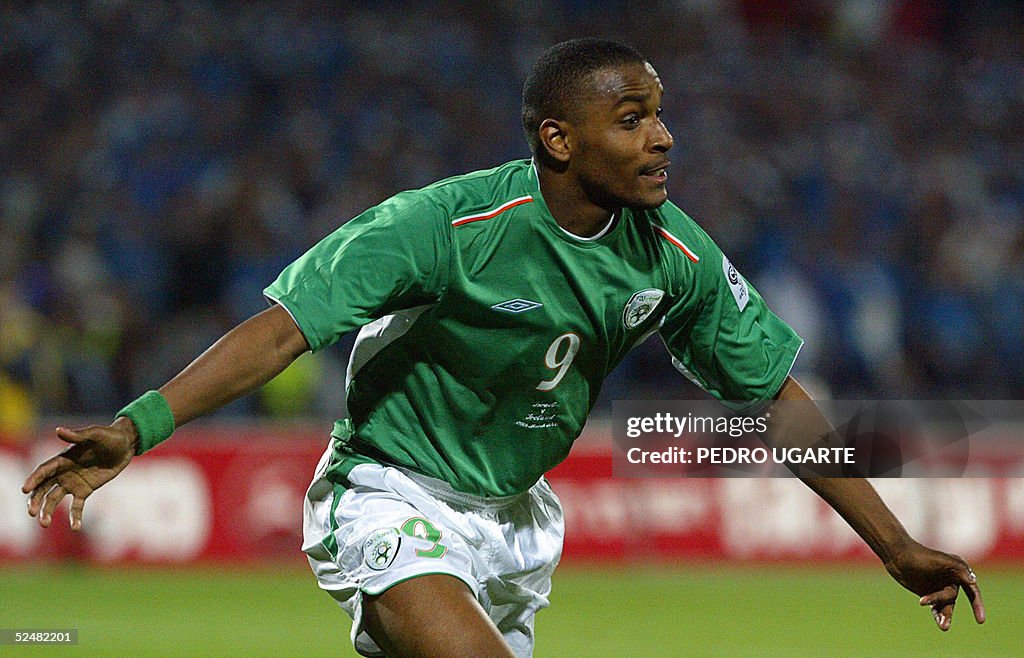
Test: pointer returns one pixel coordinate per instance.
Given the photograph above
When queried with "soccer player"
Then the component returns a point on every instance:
(492, 306)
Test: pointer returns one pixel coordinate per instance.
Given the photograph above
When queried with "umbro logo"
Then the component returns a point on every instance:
(517, 306)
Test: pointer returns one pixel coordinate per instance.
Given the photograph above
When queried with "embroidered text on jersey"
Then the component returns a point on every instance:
(491, 214)
(677, 242)
(516, 306)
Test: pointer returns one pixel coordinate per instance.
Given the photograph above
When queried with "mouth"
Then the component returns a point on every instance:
(657, 172)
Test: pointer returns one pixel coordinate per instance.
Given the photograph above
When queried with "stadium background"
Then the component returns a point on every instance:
(160, 162)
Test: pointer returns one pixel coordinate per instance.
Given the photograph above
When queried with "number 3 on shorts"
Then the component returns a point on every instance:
(421, 528)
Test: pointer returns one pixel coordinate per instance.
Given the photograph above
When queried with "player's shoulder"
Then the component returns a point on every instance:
(679, 232)
(479, 191)
(476, 181)
(448, 199)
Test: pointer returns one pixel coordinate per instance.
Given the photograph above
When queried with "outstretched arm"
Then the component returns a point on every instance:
(933, 575)
(244, 359)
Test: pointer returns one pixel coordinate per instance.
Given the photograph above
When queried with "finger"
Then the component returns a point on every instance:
(944, 618)
(940, 598)
(71, 436)
(43, 472)
(35, 501)
(973, 593)
(50, 502)
(75, 514)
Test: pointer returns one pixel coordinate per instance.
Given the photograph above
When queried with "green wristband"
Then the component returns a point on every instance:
(152, 417)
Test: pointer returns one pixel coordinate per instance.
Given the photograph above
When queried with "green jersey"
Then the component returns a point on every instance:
(487, 329)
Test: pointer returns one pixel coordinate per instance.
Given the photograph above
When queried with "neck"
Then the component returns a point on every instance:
(572, 209)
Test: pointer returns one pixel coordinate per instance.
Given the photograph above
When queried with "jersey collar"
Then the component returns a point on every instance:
(603, 236)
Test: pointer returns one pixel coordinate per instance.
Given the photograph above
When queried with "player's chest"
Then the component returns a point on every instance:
(540, 292)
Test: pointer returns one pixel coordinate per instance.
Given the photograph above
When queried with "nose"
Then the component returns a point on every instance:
(661, 139)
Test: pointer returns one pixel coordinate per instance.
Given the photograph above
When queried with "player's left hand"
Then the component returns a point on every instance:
(937, 578)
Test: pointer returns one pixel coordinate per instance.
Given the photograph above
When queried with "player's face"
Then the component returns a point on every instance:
(619, 155)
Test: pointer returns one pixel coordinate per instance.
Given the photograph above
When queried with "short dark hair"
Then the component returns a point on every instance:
(558, 78)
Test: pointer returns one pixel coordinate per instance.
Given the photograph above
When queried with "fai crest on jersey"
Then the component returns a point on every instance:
(381, 547)
(640, 306)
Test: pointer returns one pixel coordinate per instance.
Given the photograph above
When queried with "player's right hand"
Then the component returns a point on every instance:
(96, 455)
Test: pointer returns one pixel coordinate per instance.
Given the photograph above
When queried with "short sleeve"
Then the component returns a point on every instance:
(393, 256)
(724, 337)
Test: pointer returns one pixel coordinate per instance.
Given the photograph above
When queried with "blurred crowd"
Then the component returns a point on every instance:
(861, 162)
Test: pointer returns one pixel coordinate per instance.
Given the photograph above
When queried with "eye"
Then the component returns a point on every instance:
(631, 120)
(658, 113)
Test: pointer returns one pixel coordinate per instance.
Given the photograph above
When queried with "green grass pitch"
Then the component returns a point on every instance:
(697, 611)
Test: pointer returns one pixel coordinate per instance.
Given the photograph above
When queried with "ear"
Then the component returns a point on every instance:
(555, 139)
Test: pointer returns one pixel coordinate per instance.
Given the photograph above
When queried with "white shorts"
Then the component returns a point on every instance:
(392, 525)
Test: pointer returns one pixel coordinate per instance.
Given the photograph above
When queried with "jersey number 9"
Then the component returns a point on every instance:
(552, 360)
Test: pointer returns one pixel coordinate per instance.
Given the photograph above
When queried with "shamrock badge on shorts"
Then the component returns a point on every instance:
(381, 547)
